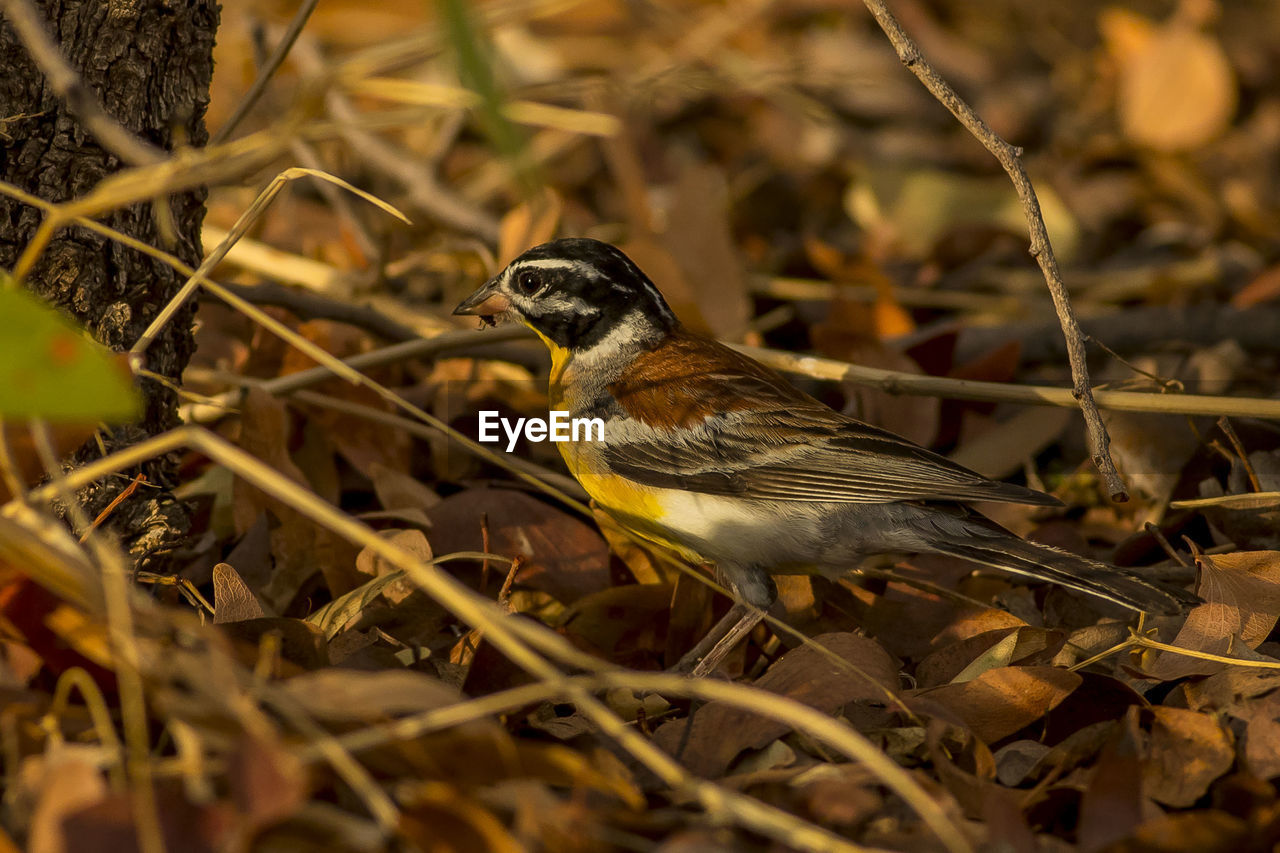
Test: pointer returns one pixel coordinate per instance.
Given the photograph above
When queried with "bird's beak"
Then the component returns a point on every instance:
(485, 302)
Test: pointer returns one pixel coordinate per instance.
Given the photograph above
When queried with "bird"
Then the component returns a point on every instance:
(718, 458)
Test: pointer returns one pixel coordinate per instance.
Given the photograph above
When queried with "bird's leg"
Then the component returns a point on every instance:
(749, 618)
(754, 592)
(719, 634)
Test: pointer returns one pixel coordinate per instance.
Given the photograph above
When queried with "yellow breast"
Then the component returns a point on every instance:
(637, 508)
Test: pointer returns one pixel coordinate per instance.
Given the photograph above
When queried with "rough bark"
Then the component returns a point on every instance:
(149, 63)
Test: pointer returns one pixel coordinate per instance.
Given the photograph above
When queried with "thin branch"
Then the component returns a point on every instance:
(80, 100)
(1010, 158)
(310, 306)
(898, 382)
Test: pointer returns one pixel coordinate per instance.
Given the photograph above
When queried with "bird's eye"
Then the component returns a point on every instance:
(528, 283)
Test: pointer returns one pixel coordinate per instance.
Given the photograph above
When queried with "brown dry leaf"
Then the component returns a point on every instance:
(66, 438)
(698, 236)
(720, 733)
(1149, 451)
(528, 224)
(1005, 447)
(1113, 803)
(185, 827)
(561, 554)
(1016, 760)
(1262, 737)
(1205, 831)
(969, 658)
(264, 433)
(624, 624)
(436, 816)
(840, 795)
(906, 621)
(355, 696)
(395, 606)
(268, 782)
(970, 622)
(371, 565)
(397, 490)
(1227, 690)
(233, 601)
(1186, 752)
(690, 616)
(298, 646)
(1001, 701)
(1177, 90)
(882, 319)
(1242, 602)
(360, 441)
(966, 768)
(570, 768)
(1263, 287)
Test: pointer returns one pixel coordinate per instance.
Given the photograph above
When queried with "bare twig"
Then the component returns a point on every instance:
(1224, 424)
(1010, 158)
(309, 306)
(79, 98)
(898, 382)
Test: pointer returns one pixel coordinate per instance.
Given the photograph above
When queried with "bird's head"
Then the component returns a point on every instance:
(577, 294)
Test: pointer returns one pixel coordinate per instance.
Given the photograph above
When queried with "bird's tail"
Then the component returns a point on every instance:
(989, 544)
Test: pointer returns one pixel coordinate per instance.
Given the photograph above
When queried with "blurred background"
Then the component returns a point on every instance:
(785, 180)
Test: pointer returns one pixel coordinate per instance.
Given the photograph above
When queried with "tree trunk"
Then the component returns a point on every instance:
(149, 62)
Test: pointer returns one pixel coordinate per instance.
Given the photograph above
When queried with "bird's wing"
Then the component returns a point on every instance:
(708, 419)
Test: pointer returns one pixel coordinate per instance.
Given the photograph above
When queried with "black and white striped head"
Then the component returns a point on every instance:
(575, 292)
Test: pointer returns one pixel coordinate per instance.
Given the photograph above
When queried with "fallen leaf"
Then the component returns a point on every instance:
(699, 238)
(720, 732)
(1262, 737)
(1185, 753)
(348, 695)
(233, 601)
(562, 555)
(1114, 803)
(1001, 701)
(968, 658)
(1205, 831)
(530, 223)
(624, 624)
(1177, 91)
(268, 782)
(1241, 593)
(437, 816)
(1003, 448)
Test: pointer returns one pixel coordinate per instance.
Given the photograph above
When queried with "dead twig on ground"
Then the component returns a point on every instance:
(1010, 158)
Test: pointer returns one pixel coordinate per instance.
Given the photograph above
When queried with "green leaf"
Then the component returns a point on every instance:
(474, 56)
(49, 368)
